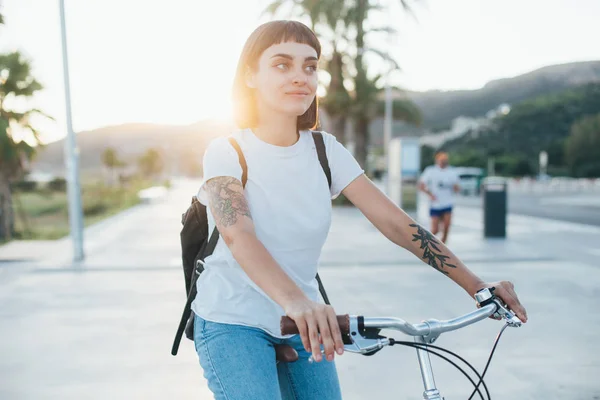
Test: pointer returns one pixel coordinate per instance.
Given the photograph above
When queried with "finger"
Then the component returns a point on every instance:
(336, 334)
(303, 330)
(328, 344)
(509, 297)
(518, 307)
(313, 337)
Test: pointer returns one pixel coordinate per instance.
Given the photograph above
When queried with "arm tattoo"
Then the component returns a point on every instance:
(227, 200)
(432, 253)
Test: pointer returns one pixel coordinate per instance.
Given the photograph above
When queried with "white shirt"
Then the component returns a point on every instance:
(440, 182)
(290, 204)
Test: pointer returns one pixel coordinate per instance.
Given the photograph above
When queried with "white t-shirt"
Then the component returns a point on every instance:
(440, 182)
(290, 204)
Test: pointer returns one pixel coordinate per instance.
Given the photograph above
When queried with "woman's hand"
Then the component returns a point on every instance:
(505, 290)
(317, 323)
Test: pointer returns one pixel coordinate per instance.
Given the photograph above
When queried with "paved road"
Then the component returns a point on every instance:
(574, 207)
(103, 329)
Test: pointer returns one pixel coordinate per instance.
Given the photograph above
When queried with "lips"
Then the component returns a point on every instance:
(298, 93)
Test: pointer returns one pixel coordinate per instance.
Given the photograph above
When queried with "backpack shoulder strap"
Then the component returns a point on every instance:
(322, 154)
(242, 159)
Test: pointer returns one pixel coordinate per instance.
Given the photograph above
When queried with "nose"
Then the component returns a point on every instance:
(299, 79)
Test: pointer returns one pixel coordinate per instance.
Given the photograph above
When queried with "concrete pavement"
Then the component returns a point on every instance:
(103, 328)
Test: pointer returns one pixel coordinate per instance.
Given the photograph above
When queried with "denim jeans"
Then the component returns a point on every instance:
(239, 364)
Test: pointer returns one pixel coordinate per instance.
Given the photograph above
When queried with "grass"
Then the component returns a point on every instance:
(43, 214)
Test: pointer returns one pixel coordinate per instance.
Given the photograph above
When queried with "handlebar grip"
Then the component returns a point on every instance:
(288, 326)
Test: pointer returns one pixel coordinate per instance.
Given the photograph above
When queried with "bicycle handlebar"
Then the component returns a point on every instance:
(288, 326)
(351, 324)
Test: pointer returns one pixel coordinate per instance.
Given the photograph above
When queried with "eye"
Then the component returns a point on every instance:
(312, 68)
(282, 66)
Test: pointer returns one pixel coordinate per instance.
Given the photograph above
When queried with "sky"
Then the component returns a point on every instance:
(173, 62)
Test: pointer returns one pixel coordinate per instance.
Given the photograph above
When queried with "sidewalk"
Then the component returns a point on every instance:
(103, 329)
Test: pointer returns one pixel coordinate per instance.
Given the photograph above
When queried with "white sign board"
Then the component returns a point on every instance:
(411, 157)
(543, 159)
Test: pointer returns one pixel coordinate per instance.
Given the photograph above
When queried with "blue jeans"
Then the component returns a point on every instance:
(239, 364)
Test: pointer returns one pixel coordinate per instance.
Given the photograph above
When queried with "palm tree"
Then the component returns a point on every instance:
(16, 82)
(367, 90)
(315, 9)
(112, 162)
(365, 102)
(151, 163)
(337, 101)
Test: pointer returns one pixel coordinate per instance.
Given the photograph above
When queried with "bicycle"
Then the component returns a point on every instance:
(362, 335)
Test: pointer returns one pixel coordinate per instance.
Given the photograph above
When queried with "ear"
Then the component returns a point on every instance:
(249, 77)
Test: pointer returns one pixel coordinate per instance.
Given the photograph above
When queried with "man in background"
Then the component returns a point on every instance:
(440, 183)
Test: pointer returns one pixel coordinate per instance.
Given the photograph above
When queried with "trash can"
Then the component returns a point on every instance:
(494, 207)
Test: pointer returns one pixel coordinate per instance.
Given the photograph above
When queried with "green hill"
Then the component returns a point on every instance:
(542, 123)
(440, 108)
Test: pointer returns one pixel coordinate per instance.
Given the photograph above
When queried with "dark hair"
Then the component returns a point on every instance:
(439, 154)
(266, 35)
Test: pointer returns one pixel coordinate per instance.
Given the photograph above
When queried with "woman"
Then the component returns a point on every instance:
(272, 231)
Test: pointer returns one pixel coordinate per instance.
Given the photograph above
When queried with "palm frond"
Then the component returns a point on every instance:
(19, 81)
(408, 8)
(384, 55)
(272, 8)
(384, 29)
(402, 110)
(36, 135)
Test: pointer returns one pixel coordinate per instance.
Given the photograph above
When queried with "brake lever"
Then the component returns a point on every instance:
(355, 342)
(486, 296)
(504, 313)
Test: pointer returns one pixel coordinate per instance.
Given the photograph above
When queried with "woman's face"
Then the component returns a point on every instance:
(286, 78)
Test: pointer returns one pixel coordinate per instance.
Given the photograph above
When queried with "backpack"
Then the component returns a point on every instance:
(196, 244)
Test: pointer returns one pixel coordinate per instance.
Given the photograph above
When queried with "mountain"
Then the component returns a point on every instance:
(178, 144)
(439, 108)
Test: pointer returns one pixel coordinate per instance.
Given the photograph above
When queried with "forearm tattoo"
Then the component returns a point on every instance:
(431, 252)
(227, 201)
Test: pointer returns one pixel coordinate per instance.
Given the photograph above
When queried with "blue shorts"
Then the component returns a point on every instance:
(438, 212)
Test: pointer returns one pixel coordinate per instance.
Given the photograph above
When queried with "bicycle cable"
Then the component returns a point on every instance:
(489, 359)
(426, 348)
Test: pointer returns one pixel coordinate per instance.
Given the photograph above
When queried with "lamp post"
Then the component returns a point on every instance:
(71, 155)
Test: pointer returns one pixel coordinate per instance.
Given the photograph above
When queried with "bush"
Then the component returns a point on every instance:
(583, 146)
(588, 170)
(24, 186)
(468, 158)
(510, 165)
(554, 170)
(58, 185)
(93, 208)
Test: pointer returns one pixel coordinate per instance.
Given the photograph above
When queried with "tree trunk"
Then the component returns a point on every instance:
(361, 140)
(22, 215)
(6, 210)
(338, 127)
